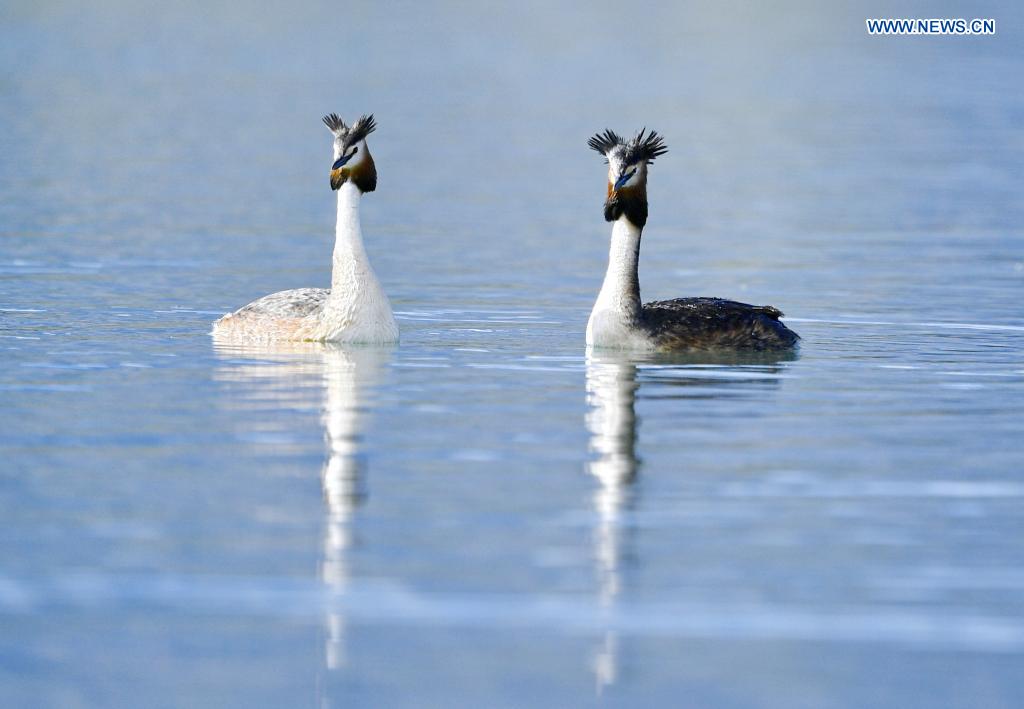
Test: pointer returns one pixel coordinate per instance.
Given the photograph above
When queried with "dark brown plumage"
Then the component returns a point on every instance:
(364, 173)
(629, 201)
(715, 324)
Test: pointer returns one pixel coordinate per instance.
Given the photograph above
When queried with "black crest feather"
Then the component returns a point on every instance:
(647, 147)
(644, 145)
(603, 142)
(334, 123)
(363, 126)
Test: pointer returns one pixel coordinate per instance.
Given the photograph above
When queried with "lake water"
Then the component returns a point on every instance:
(486, 515)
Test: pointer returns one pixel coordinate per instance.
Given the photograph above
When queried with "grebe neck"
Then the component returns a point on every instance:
(615, 320)
(620, 291)
(350, 260)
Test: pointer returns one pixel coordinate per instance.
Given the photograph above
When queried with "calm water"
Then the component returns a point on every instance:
(486, 516)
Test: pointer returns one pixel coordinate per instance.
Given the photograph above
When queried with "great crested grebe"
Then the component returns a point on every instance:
(354, 309)
(618, 319)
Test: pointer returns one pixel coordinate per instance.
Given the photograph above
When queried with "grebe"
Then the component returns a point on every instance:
(618, 319)
(354, 309)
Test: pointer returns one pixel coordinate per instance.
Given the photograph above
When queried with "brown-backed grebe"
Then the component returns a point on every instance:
(618, 319)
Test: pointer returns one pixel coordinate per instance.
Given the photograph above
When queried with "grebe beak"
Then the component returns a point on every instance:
(623, 179)
(340, 162)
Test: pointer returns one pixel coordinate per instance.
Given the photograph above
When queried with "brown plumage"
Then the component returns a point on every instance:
(629, 201)
(715, 324)
(363, 173)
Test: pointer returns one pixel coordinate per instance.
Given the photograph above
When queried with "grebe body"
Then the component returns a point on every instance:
(354, 309)
(619, 319)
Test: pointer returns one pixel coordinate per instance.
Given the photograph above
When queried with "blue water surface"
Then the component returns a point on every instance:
(486, 515)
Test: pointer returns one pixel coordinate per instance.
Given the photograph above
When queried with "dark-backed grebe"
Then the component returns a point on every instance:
(354, 309)
(619, 319)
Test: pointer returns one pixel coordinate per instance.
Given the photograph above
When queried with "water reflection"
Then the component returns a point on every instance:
(340, 380)
(613, 380)
(611, 420)
(348, 377)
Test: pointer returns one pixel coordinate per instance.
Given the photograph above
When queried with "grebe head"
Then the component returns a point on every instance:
(627, 172)
(352, 159)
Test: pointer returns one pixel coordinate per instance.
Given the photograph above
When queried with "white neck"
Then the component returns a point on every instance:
(617, 310)
(349, 254)
(357, 309)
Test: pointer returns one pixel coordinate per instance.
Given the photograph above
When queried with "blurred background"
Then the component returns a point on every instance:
(485, 516)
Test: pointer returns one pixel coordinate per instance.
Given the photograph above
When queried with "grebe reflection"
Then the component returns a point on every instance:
(613, 381)
(339, 380)
(611, 421)
(349, 375)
